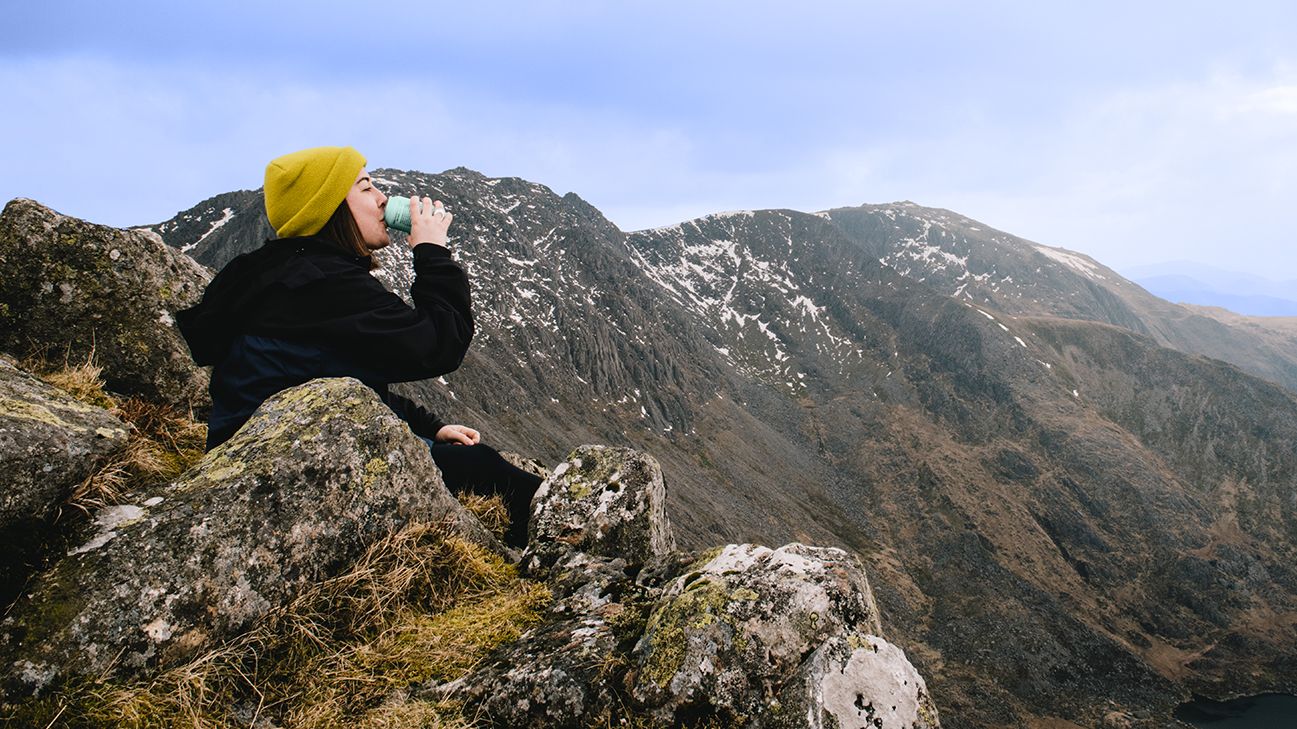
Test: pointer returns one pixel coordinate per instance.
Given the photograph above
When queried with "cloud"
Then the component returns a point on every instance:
(1200, 168)
(1203, 169)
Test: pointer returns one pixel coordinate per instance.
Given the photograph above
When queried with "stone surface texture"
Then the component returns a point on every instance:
(727, 634)
(49, 443)
(596, 519)
(587, 506)
(855, 681)
(71, 288)
(318, 474)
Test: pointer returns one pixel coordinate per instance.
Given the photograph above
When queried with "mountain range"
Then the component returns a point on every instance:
(1202, 285)
(1076, 500)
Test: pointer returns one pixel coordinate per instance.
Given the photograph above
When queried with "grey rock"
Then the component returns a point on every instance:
(563, 672)
(597, 520)
(49, 444)
(71, 287)
(725, 636)
(855, 681)
(602, 501)
(319, 473)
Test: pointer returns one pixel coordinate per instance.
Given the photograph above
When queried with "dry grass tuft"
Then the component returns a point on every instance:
(163, 442)
(81, 381)
(422, 604)
(490, 510)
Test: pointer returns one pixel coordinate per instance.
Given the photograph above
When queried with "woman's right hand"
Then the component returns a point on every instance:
(458, 435)
(429, 222)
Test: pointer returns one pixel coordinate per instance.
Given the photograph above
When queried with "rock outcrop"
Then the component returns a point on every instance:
(71, 288)
(601, 502)
(49, 444)
(741, 636)
(320, 472)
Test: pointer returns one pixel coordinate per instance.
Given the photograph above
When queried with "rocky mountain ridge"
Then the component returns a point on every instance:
(963, 414)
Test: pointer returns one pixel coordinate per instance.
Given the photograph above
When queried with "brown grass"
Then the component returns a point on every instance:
(162, 443)
(490, 510)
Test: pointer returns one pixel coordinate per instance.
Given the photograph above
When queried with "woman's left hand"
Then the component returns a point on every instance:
(458, 434)
(429, 222)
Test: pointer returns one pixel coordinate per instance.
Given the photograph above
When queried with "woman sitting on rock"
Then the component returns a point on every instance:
(304, 305)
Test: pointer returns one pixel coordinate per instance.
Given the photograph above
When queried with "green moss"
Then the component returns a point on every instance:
(221, 467)
(698, 564)
(928, 713)
(700, 605)
(23, 410)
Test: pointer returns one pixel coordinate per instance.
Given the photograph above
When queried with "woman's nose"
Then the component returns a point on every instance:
(382, 199)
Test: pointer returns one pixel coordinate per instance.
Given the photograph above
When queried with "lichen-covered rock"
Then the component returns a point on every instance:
(742, 636)
(855, 681)
(602, 501)
(561, 673)
(319, 473)
(726, 635)
(49, 443)
(70, 287)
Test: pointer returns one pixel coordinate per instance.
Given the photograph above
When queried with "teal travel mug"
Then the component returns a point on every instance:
(397, 213)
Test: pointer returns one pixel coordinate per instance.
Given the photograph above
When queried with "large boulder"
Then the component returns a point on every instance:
(604, 502)
(319, 473)
(49, 444)
(70, 288)
(729, 633)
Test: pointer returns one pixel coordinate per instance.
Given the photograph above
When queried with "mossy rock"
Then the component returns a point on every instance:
(602, 501)
(738, 623)
(50, 443)
(72, 289)
(319, 473)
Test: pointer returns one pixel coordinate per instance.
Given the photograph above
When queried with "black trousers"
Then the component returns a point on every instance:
(480, 469)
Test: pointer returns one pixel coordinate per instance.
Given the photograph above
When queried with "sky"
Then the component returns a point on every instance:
(1137, 133)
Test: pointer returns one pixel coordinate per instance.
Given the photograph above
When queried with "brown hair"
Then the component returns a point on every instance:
(343, 232)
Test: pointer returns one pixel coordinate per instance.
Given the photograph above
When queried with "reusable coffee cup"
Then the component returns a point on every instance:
(397, 213)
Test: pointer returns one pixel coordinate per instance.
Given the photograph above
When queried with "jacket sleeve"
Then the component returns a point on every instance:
(398, 342)
(422, 421)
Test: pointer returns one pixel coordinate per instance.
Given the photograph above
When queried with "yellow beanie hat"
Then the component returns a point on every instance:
(305, 187)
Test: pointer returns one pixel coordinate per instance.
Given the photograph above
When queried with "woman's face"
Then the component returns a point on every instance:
(367, 204)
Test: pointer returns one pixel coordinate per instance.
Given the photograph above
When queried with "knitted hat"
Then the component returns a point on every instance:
(305, 187)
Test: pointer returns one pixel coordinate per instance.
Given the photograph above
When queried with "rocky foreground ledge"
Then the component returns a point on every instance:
(740, 635)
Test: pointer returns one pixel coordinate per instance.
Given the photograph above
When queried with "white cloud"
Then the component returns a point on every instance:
(1203, 170)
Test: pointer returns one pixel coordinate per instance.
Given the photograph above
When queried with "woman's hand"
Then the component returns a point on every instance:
(428, 222)
(457, 434)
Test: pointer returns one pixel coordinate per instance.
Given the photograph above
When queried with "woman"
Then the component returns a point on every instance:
(304, 305)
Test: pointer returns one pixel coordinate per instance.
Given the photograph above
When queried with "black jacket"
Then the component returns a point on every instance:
(299, 308)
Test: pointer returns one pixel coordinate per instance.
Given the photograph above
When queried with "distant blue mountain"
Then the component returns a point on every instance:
(1196, 283)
